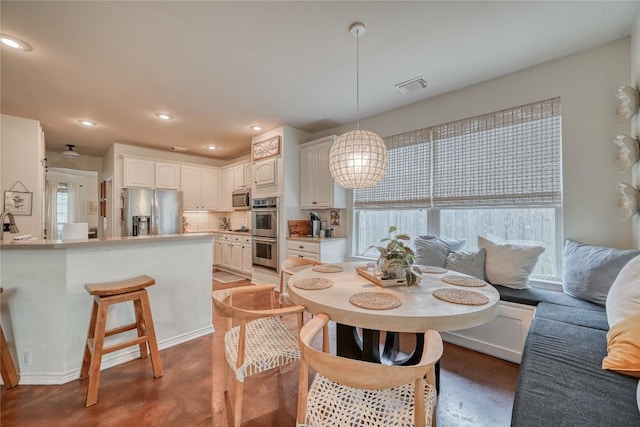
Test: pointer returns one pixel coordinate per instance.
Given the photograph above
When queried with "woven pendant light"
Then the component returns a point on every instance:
(358, 158)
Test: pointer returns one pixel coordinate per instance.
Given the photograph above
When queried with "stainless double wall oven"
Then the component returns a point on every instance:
(264, 225)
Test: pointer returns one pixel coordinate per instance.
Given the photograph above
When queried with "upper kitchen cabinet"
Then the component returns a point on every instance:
(167, 176)
(139, 172)
(199, 187)
(242, 176)
(317, 187)
(265, 172)
(224, 196)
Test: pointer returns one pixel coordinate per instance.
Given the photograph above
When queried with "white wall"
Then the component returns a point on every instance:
(635, 121)
(586, 83)
(22, 152)
(88, 180)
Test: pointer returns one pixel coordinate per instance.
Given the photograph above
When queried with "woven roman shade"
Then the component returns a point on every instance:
(507, 158)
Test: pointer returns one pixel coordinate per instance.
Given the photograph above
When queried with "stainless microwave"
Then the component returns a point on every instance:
(241, 199)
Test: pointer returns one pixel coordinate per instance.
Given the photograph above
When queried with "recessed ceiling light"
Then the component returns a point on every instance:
(211, 147)
(14, 42)
(256, 127)
(164, 116)
(87, 123)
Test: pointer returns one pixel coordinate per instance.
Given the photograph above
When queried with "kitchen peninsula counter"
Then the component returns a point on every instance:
(45, 308)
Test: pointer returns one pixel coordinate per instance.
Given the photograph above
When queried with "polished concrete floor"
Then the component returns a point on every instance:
(476, 390)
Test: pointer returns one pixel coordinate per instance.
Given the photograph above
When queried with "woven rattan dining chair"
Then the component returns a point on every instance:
(262, 340)
(290, 266)
(348, 392)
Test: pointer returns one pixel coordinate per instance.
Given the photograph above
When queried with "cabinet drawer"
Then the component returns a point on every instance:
(297, 245)
(300, 254)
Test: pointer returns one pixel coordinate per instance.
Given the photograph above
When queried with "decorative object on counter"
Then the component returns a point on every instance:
(335, 217)
(298, 227)
(628, 151)
(223, 223)
(396, 260)
(628, 200)
(358, 158)
(460, 296)
(267, 148)
(629, 102)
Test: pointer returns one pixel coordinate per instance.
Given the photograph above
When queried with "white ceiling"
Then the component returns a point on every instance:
(219, 67)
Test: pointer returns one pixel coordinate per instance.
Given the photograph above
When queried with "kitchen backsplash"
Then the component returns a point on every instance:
(197, 221)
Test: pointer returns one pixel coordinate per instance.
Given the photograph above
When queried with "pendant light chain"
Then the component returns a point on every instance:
(358, 79)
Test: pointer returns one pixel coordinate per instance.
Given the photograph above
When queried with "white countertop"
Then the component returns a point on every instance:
(60, 244)
(314, 239)
(218, 231)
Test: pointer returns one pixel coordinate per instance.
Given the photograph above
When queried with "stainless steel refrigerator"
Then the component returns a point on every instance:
(146, 211)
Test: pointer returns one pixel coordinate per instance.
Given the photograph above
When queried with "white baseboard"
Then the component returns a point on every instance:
(110, 360)
(482, 347)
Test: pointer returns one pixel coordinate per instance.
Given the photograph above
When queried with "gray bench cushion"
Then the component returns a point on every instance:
(579, 316)
(561, 382)
(535, 296)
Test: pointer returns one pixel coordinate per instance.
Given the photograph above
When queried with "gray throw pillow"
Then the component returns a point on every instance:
(432, 250)
(589, 271)
(471, 263)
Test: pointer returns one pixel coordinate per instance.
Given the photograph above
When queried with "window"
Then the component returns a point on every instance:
(62, 206)
(496, 175)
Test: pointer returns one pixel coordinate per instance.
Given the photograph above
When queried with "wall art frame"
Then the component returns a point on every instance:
(267, 148)
(18, 202)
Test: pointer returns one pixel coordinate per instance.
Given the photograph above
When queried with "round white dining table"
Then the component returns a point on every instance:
(419, 310)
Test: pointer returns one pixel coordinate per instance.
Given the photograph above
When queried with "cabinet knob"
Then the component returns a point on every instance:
(300, 256)
(301, 247)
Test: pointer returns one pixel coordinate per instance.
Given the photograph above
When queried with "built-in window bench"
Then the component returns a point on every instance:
(504, 337)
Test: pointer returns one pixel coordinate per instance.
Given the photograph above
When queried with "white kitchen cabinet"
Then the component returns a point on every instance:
(265, 172)
(167, 176)
(242, 176)
(324, 250)
(247, 257)
(217, 253)
(226, 253)
(224, 199)
(199, 187)
(317, 187)
(139, 172)
(236, 256)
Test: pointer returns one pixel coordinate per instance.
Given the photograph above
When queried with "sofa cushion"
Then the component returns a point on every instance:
(590, 270)
(509, 264)
(595, 317)
(471, 263)
(623, 299)
(533, 296)
(623, 347)
(432, 250)
(561, 382)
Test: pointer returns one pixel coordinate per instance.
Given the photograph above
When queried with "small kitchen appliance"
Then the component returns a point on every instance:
(315, 224)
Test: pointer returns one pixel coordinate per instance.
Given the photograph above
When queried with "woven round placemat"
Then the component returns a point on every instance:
(431, 269)
(455, 279)
(313, 283)
(375, 300)
(327, 268)
(460, 296)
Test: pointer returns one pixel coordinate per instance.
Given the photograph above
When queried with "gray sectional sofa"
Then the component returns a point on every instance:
(561, 381)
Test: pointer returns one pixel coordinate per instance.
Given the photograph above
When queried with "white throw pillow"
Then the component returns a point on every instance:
(623, 299)
(509, 264)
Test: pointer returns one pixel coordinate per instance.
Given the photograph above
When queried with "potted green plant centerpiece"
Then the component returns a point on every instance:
(396, 260)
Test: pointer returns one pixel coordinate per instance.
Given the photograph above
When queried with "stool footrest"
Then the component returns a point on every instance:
(120, 346)
(120, 329)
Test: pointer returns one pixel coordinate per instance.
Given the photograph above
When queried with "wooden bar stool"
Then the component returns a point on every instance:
(104, 295)
(7, 368)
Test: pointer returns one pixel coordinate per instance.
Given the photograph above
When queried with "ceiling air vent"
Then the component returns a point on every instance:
(176, 148)
(412, 85)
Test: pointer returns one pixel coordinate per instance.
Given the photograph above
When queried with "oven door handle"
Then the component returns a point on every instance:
(265, 239)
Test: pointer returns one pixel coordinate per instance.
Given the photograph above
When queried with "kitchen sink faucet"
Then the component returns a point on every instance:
(13, 228)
